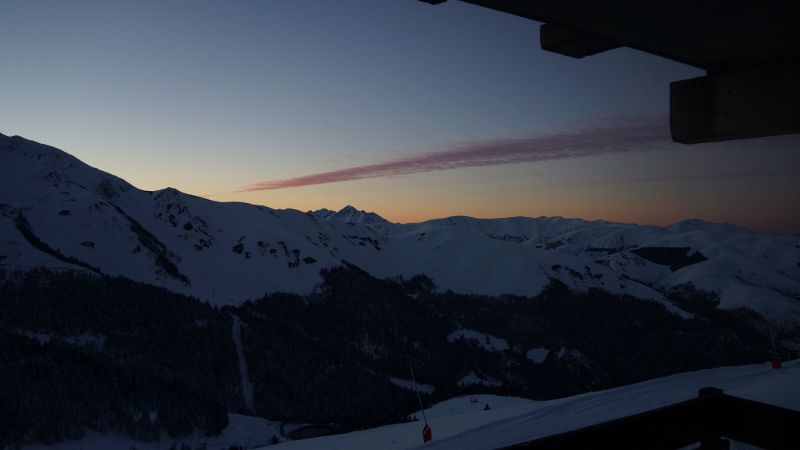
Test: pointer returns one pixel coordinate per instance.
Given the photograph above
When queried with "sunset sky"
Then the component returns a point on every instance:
(394, 106)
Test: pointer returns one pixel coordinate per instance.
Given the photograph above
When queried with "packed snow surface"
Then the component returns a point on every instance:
(460, 423)
(412, 385)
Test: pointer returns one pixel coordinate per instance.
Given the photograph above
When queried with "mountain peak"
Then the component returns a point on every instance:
(35, 150)
(349, 209)
(348, 214)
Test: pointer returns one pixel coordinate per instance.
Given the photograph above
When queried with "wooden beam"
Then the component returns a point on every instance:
(735, 104)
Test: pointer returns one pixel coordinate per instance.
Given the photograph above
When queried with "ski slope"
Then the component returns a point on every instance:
(460, 424)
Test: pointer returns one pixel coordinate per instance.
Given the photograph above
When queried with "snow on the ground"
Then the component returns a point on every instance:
(487, 341)
(411, 385)
(81, 340)
(512, 421)
(246, 431)
(473, 378)
(537, 355)
(756, 382)
(462, 422)
(465, 416)
(473, 403)
(248, 396)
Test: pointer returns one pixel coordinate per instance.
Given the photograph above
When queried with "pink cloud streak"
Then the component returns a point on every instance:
(609, 136)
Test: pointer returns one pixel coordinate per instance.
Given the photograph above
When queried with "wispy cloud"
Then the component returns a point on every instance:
(597, 138)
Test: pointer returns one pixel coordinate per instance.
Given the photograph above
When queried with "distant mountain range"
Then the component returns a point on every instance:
(57, 212)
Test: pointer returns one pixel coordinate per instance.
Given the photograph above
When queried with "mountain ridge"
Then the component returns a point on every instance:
(349, 214)
(228, 252)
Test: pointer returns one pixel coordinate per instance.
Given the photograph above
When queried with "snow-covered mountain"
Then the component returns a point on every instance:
(348, 214)
(58, 212)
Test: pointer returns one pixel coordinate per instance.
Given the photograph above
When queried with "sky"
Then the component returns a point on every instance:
(394, 106)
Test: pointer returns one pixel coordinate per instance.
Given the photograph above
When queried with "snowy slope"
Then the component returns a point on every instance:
(460, 424)
(57, 212)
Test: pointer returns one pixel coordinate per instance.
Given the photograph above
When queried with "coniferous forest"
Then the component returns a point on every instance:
(84, 352)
